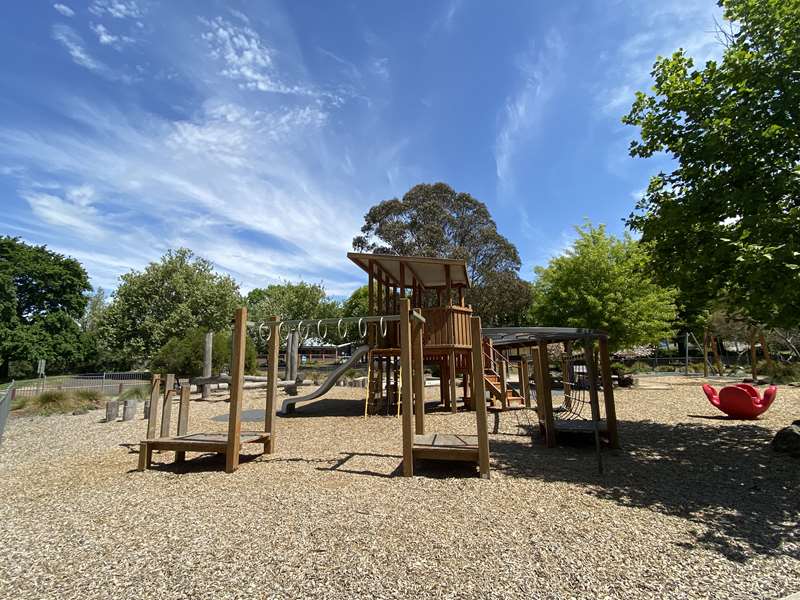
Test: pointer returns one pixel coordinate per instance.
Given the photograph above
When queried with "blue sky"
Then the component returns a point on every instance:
(259, 133)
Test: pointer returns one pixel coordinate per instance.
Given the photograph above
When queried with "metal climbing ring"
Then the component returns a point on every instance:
(384, 327)
(321, 335)
(264, 338)
(362, 333)
(280, 328)
(339, 328)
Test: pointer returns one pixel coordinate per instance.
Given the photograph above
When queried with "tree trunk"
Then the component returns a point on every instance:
(4, 369)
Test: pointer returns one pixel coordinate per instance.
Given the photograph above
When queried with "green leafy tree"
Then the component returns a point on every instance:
(435, 220)
(291, 301)
(41, 299)
(168, 298)
(603, 282)
(183, 355)
(357, 305)
(726, 220)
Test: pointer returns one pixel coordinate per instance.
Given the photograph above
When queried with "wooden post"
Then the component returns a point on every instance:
(237, 390)
(417, 358)
(591, 376)
(112, 411)
(503, 372)
(152, 413)
(566, 373)
(407, 381)
(448, 285)
(273, 352)
(208, 355)
(608, 394)
(129, 409)
(183, 417)
(166, 406)
(753, 356)
(451, 374)
(715, 350)
(525, 382)
(705, 353)
(479, 398)
(765, 350)
(544, 398)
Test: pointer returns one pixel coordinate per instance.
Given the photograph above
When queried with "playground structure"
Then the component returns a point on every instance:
(741, 401)
(417, 316)
(583, 376)
(229, 444)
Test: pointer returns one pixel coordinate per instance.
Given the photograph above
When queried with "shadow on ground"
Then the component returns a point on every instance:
(725, 478)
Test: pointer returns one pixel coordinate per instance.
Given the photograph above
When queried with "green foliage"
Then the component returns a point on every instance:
(604, 283)
(726, 220)
(59, 402)
(140, 392)
(291, 301)
(640, 367)
(93, 397)
(435, 220)
(357, 305)
(170, 297)
(183, 355)
(41, 297)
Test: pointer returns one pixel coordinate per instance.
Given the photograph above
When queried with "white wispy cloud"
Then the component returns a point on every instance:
(246, 58)
(76, 48)
(522, 110)
(64, 9)
(119, 9)
(105, 37)
(72, 209)
(665, 27)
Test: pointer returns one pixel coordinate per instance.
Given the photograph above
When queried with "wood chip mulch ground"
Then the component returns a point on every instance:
(692, 506)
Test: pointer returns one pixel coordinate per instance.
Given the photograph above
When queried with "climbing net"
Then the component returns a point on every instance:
(575, 374)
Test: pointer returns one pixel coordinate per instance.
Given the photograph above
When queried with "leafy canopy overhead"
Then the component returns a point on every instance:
(166, 299)
(726, 220)
(603, 283)
(41, 299)
(435, 220)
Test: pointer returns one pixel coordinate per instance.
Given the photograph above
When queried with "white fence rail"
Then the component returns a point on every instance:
(5, 407)
(106, 383)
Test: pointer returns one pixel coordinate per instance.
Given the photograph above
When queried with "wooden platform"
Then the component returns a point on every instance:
(446, 446)
(579, 426)
(194, 442)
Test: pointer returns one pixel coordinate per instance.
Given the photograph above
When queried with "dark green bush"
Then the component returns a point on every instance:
(183, 355)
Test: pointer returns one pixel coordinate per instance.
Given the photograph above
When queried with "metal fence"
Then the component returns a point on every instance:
(108, 384)
(5, 407)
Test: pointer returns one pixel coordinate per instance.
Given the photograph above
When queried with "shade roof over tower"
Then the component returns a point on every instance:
(428, 271)
(517, 337)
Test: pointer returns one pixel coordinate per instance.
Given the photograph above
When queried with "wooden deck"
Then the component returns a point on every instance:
(195, 442)
(579, 426)
(446, 446)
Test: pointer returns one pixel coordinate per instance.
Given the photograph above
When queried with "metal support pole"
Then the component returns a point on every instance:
(208, 350)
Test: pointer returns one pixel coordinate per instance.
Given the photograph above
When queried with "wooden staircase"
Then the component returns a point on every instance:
(503, 398)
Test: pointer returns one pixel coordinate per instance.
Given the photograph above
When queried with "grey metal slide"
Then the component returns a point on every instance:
(288, 405)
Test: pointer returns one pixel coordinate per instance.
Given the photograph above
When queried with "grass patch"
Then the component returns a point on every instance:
(58, 402)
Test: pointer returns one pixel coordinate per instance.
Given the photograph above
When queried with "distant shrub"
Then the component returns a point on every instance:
(784, 372)
(51, 397)
(640, 367)
(183, 355)
(140, 392)
(90, 397)
(665, 369)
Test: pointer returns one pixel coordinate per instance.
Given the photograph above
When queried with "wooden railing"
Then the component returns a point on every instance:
(447, 327)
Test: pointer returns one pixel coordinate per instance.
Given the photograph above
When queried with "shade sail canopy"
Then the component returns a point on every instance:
(516, 337)
(430, 272)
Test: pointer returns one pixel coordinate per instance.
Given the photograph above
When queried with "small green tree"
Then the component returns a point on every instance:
(165, 300)
(603, 282)
(726, 220)
(183, 355)
(42, 296)
(291, 301)
(357, 305)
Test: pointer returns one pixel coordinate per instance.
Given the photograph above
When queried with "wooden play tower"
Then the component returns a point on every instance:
(434, 286)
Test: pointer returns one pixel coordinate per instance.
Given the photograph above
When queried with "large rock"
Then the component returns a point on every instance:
(788, 439)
